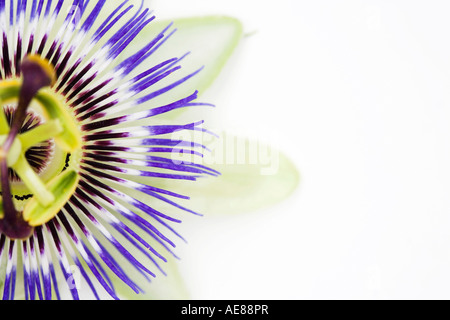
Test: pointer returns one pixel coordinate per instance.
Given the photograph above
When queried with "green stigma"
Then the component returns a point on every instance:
(50, 192)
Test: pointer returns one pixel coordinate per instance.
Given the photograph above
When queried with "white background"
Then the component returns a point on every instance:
(357, 94)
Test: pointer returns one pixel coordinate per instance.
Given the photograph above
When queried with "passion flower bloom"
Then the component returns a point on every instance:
(81, 145)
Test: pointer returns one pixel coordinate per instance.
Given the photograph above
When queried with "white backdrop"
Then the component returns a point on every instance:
(356, 93)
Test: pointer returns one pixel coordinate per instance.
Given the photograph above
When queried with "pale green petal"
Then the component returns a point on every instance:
(254, 175)
(164, 287)
(247, 184)
(210, 41)
(242, 188)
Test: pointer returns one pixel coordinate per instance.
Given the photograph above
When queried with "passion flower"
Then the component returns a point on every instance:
(79, 138)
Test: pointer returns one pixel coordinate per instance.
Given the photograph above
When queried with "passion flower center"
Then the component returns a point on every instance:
(48, 197)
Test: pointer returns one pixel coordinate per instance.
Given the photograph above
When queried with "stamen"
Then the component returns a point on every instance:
(41, 133)
(39, 152)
